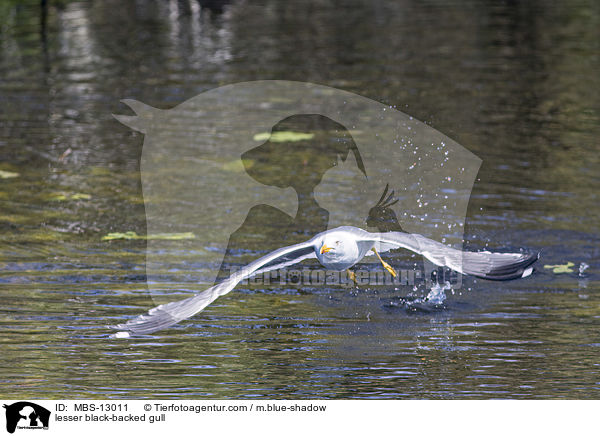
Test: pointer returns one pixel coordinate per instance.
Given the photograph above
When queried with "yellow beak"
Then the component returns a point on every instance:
(325, 249)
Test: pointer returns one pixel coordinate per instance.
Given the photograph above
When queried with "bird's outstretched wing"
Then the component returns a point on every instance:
(168, 314)
(483, 264)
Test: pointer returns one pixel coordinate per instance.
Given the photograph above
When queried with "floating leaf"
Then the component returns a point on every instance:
(80, 196)
(117, 235)
(134, 235)
(263, 136)
(560, 269)
(8, 174)
(284, 136)
(64, 197)
(172, 236)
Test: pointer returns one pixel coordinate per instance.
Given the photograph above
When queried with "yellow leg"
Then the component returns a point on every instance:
(352, 276)
(385, 264)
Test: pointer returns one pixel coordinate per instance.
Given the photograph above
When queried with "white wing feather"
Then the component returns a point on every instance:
(492, 266)
(168, 314)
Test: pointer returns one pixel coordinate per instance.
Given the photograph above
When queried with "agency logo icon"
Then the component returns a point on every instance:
(26, 415)
(255, 166)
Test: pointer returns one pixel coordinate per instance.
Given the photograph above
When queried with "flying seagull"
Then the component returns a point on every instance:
(339, 249)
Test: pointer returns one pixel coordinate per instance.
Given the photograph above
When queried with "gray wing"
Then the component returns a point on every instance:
(168, 314)
(483, 264)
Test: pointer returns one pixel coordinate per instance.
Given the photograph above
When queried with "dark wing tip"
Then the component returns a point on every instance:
(512, 270)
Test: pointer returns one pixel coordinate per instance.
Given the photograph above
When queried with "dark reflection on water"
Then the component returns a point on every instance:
(514, 82)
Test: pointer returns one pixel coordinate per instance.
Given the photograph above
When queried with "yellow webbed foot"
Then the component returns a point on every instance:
(389, 269)
(352, 276)
(385, 264)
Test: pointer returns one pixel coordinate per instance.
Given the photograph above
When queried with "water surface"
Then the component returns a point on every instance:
(515, 83)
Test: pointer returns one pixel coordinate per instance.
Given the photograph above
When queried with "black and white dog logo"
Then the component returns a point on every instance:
(26, 415)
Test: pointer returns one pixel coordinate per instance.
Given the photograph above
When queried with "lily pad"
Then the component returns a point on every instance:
(134, 235)
(172, 236)
(117, 235)
(76, 196)
(80, 196)
(8, 174)
(283, 136)
(561, 269)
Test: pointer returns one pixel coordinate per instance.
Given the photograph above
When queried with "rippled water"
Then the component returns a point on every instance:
(516, 84)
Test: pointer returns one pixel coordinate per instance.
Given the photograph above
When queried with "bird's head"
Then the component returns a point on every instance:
(338, 247)
(332, 247)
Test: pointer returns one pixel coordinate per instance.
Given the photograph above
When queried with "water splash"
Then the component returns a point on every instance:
(437, 294)
(432, 302)
(583, 280)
